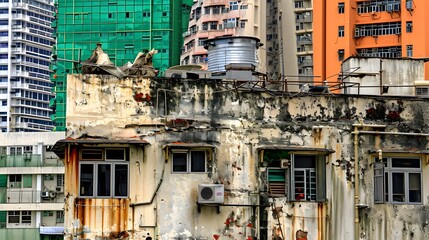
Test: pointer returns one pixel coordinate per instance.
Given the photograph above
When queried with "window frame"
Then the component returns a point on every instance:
(112, 176)
(383, 169)
(341, 31)
(409, 26)
(188, 153)
(290, 182)
(409, 50)
(341, 6)
(20, 215)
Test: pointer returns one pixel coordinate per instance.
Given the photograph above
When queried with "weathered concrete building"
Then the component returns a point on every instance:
(141, 156)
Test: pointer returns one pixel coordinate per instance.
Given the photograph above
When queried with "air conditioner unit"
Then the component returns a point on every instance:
(396, 6)
(59, 189)
(357, 32)
(211, 193)
(284, 163)
(45, 194)
(409, 5)
(389, 8)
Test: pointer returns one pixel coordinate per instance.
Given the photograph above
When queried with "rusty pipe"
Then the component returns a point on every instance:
(356, 198)
(395, 133)
(154, 193)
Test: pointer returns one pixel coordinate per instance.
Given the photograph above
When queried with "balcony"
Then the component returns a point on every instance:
(28, 160)
(19, 195)
(305, 63)
(216, 2)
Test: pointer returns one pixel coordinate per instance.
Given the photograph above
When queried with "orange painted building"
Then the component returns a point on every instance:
(377, 28)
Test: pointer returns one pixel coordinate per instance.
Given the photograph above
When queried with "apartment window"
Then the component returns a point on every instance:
(216, 10)
(15, 180)
(60, 180)
(48, 213)
(341, 8)
(398, 180)
(19, 217)
(299, 4)
(341, 55)
(59, 217)
(201, 41)
(409, 26)
(409, 50)
(193, 161)
(106, 176)
(213, 25)
(207, 10)
(48, 177)
(233, 6)
(340, 31)
(243, 23)
(299, 177)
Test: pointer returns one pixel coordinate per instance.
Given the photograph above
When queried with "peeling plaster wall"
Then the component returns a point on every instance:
(236, 122)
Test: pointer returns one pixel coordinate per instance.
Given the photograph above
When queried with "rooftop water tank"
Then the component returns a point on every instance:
(226, 50)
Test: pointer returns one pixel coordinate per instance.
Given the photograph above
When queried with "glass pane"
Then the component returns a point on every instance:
(13, 219)
(103, 180)
(115, 154)
(386, 187)
(92, 154)
(398, 186)
(302, 161)
(405, 163)
(415, 188)
(121, 180)
(86, 179)
(198, 161)
(179, 162)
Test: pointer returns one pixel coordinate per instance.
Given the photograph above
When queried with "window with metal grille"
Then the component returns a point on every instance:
(298, 177)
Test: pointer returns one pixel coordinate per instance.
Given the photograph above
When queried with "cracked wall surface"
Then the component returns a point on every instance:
(239, 124)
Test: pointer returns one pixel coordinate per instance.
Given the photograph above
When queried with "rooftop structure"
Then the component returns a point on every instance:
(218, 18)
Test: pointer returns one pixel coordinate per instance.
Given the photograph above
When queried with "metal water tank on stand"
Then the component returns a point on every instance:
(226, 50)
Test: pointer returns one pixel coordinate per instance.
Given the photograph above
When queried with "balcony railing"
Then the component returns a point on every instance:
(18, 195)
(28, 160)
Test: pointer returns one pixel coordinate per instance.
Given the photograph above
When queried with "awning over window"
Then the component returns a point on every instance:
(187, 145)
(294, 148)
(59, 146)
(396, 150)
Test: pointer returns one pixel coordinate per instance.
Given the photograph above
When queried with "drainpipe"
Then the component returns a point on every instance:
(356, 212)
